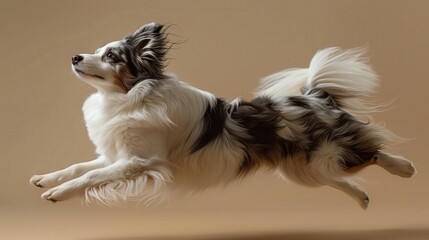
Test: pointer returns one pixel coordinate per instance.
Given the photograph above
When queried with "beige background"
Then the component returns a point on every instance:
(229, 46)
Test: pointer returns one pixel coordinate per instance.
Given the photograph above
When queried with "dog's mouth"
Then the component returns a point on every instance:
(80, 72)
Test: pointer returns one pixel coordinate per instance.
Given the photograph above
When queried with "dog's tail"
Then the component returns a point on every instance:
(344, 74)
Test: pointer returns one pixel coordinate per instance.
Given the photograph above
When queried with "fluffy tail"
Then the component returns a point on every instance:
(344, 74)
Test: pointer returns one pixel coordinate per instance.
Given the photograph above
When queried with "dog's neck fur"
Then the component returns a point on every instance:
(154, 103)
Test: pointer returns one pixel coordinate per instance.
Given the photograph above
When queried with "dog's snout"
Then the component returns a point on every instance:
(76, 59)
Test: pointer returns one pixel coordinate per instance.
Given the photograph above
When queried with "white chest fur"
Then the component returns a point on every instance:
(143, 122)
(100, 117)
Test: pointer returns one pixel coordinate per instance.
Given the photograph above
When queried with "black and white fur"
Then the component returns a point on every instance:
(155, 134)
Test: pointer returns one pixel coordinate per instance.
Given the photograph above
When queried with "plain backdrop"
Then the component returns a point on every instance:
(227, 46)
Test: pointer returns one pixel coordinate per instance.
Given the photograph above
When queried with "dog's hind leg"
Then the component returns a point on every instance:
(352, 190)
(326, 168)
(395, 164)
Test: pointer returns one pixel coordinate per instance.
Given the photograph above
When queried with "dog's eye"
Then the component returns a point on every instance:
(110, 55)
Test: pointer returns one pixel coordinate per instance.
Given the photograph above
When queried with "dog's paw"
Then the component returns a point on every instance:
(364, 202)
(36, 181)
(402, 168)
(54, 194)
(406, 169)
(57, 194)
(64, 191)
(396, 165)
(45, 181)
(362, 199)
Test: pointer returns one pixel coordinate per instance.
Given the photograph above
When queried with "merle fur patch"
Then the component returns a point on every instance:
(317, 113)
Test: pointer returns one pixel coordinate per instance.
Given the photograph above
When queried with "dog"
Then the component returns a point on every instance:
(156, 135)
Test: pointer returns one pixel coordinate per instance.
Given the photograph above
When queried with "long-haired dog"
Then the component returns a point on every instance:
(155, 134)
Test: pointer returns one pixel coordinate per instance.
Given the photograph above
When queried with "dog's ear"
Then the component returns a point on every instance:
(143, 37)
(149, 45)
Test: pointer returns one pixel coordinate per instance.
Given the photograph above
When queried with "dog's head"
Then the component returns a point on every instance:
(120, 65)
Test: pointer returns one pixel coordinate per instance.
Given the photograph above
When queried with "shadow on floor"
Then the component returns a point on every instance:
(388, 234)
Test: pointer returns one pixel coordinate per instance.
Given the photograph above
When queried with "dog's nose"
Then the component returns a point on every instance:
(76, 59)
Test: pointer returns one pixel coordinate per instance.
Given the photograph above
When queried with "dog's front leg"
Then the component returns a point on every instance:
(114, 176)
(77, 186)
(76, 170)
